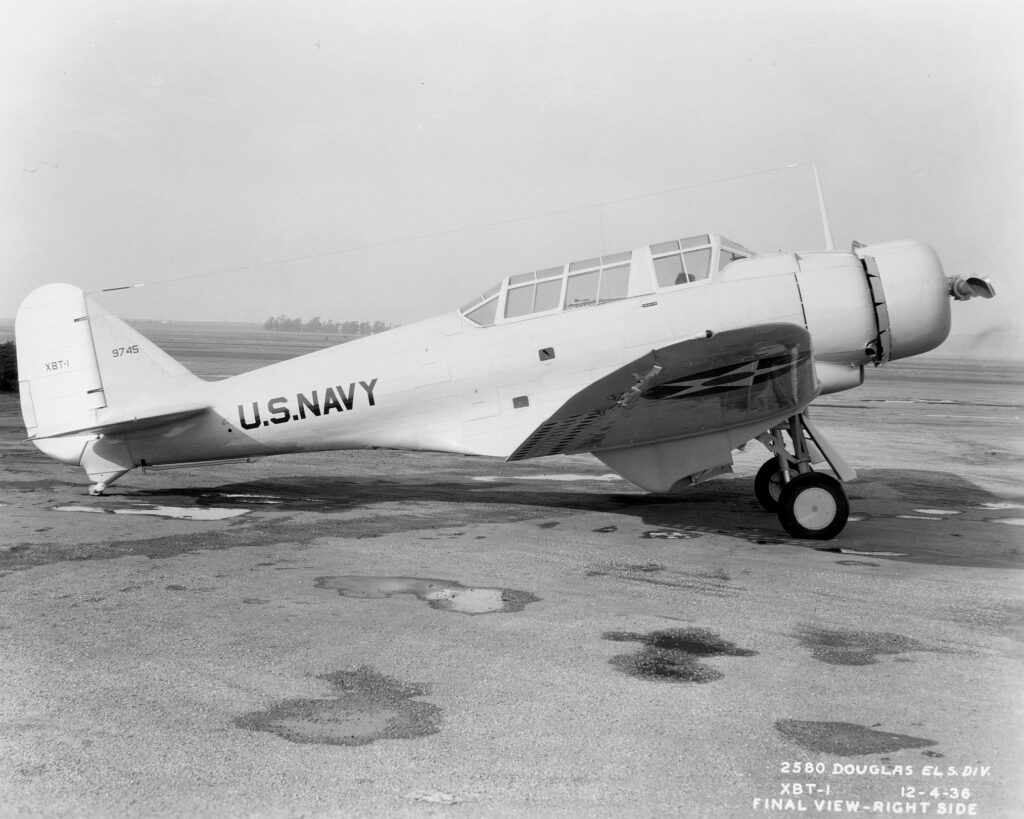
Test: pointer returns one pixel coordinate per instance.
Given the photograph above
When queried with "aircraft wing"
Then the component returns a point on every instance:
(686, 389)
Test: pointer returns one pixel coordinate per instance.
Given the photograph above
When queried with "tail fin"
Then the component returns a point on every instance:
(85, 373)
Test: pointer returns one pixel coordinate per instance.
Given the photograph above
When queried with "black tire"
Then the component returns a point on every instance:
(813, 506)
(768, 485)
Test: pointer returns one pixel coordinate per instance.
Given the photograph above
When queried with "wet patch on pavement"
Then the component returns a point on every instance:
(857, 563)
(435, 797)
(846, 738)
(302, 509)
(839, 647)
(626, 568)
(862, 552)
(674, 654)
(178, 512)
(366, 706)
(445, 595)
(668, 534)
(560, 478)
(1004, 617)
(706, 581)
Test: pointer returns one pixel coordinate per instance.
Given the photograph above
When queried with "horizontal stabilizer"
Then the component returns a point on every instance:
(111, 425)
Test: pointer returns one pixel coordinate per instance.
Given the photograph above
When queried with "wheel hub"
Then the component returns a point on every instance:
(814, 508)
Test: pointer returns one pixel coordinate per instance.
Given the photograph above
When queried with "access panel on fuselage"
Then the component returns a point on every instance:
(838, 305)
(761, 290)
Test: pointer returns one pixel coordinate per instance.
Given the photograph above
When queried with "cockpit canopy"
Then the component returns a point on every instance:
(602, 279)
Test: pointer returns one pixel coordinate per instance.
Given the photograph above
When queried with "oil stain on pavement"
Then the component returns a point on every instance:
(446, 595)
(839, 647)
(674, 654)
(846, 738)
(366, 706)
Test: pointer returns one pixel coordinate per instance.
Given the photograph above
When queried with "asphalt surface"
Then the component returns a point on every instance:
(384, 633)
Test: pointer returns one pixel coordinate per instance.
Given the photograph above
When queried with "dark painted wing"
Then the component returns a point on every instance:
(689, 388)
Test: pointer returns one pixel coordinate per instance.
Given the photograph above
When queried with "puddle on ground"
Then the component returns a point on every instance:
(1010, 521)
(861, 552)
(446, 595)
(673, 654)
(558, 478)
(180, 512)
(668, 534)
(856, 563)
(366, 706)
(846, 738)
(937, 512)
(706, 581)
(247, 497)
(839, 647)
(435, 797)
(627, 569)
(1002, 506)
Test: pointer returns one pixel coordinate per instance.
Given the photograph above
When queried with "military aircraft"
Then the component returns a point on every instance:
(660, 361)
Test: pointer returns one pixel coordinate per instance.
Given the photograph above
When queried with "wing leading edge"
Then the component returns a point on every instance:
(691, 388)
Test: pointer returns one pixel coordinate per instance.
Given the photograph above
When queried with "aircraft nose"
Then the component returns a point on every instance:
(913, 296)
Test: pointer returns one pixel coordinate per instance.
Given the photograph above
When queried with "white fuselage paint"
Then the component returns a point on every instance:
(448, 384)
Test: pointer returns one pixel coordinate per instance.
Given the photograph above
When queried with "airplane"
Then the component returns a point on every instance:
(659, 361)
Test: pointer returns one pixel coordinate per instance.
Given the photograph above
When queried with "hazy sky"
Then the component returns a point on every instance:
(154, 141)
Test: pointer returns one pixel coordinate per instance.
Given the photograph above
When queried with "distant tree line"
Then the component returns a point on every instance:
(318, 325)
(8, 367)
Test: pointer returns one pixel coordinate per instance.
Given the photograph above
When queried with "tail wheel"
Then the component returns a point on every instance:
(813, 506)
(768, 485)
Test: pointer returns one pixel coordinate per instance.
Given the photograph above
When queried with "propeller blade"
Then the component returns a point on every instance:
(964, 288)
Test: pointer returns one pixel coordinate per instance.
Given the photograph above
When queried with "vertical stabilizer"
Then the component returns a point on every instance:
(85, 377)
(80, 367)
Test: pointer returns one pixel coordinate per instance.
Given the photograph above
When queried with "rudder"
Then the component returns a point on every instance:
(83, 372)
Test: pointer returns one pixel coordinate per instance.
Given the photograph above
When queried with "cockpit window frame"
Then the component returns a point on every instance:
(640, 267)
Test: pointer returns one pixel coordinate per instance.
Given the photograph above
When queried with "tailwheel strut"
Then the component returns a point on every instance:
(809, 504)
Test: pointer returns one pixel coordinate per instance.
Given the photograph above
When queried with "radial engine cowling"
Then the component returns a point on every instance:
(912, 297)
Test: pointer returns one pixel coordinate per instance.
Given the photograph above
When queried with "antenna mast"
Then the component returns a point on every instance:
(825, 224)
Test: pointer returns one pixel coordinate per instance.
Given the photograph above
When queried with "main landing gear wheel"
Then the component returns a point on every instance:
(768, 485)
(813, 506)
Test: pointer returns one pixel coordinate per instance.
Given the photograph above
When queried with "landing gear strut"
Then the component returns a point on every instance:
(809, 504)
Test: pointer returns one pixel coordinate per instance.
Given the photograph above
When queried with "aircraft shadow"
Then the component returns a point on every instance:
(932, 517)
